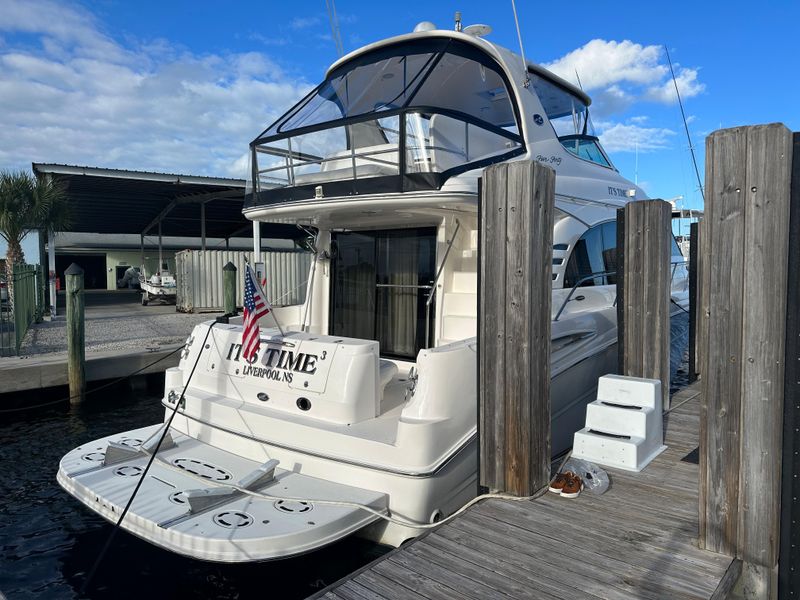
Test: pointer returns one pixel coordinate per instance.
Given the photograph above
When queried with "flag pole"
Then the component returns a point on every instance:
(264, 295)
(271, 310)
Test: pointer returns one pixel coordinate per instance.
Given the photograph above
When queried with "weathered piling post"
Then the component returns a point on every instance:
(644, 232)
(514, 304)
(76, 351)
(229, 288)
(744, 296)
(694, 300)
(788, 573)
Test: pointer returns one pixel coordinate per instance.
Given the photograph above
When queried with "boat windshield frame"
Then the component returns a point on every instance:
(405, 179)
(595, 141)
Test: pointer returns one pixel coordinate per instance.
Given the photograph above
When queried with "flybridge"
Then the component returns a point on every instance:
(402, 117)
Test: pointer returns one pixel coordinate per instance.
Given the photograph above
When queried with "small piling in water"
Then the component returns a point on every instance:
(76, 347)
(694, 300)
(229, 288)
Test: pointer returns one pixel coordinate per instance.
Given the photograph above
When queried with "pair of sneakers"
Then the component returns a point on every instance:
(567, 485)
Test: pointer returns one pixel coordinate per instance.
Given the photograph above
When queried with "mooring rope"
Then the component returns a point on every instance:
(679, 306)
(381, 515)
(102, 554)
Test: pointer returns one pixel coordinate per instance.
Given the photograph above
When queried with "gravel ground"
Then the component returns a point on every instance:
(139, 331)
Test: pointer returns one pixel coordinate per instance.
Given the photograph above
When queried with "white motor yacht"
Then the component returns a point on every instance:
(361, 416)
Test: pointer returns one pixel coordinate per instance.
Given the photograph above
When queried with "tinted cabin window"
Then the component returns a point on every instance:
(610, 250)
(586, 258)
(594, 252)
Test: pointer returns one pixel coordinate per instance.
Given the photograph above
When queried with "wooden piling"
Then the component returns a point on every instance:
(694, 300)
(516, 237)
(643, 300)
(744, 276)
(76, 350)
(229, 288)
(788, 573)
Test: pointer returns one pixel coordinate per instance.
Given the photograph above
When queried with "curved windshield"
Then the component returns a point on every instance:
(441, 73)
(428, 106)
(569, 116)
(375, 87)
(586, 147)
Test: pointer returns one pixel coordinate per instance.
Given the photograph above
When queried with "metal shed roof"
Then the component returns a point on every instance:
(122, 201)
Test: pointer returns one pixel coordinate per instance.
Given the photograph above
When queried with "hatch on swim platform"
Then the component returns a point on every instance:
(187, 503)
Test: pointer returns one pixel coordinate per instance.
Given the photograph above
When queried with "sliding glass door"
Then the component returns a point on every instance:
(381, 284)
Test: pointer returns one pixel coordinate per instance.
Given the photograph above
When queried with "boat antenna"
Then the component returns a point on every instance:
(586, 119)
(685, 126)
(335, 31)
(527, 81)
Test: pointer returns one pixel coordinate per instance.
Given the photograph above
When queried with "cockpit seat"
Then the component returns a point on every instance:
(371, 161)
(454, 142)
(448, 142)
(343, 174)
(387, 371)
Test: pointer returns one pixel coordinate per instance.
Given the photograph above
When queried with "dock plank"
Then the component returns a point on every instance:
(638, 540)
(469, 588)
(574, 562)
(430, 588)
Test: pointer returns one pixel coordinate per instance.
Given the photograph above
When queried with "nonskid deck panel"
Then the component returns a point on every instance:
(243, 528)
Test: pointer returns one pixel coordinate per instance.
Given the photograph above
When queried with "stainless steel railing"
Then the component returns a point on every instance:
(592, 276)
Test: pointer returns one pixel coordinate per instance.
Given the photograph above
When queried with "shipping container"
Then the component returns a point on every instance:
(199, 277)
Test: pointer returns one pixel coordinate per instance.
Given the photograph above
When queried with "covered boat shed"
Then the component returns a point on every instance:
(119, 201)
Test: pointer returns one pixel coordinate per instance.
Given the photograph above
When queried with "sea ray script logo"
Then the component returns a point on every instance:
(278, 364)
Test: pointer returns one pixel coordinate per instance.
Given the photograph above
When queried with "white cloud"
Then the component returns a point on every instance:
(620, 73)
(601, 63)
(79, 96)
(275, 40)
(686, 79)
(70, 25)
(304, 22)
(620, 137)
(609, 101)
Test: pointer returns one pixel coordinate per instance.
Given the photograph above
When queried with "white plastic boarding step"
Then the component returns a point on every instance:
(624, 425)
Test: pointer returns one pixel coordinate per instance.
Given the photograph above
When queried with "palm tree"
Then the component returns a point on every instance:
(28, 203)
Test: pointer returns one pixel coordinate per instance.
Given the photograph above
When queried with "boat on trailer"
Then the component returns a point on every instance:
(160, 286)
(361, 416)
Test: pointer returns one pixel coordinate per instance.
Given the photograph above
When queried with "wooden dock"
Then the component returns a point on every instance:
(638, 540)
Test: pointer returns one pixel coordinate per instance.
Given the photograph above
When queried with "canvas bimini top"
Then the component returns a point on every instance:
(409, 113)
(390, 120)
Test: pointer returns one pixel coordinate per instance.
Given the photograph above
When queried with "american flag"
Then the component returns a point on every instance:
(255, 307)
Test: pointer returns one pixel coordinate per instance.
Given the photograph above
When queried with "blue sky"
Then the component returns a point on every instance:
(184, 86)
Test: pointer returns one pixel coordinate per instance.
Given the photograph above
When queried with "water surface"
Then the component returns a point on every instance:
(49, 541)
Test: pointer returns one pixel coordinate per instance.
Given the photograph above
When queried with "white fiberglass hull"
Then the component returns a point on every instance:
(159, 290)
